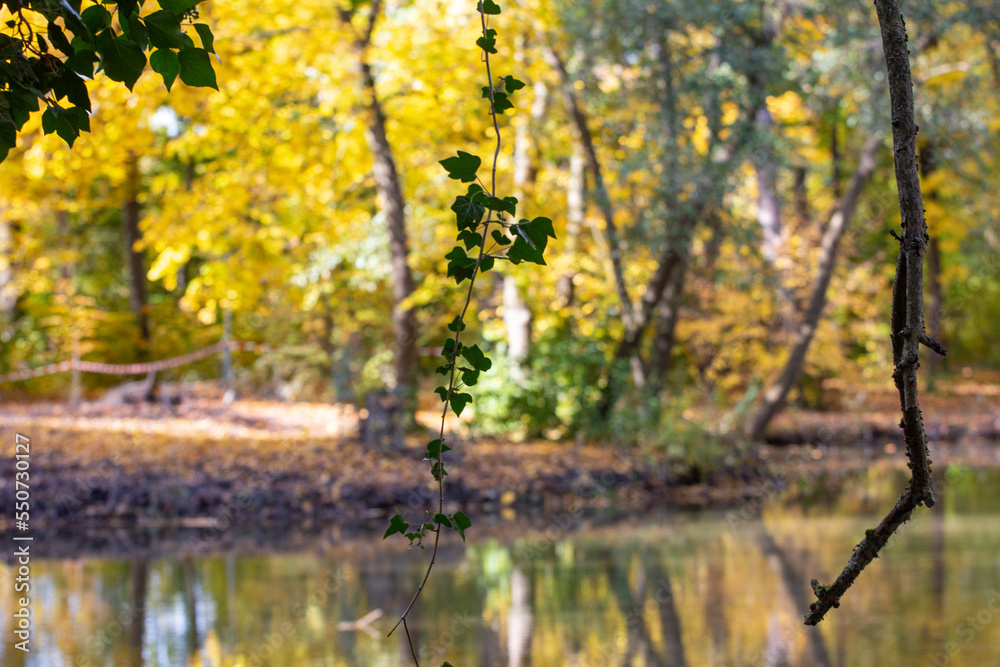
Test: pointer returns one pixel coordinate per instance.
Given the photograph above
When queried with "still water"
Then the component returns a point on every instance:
(709, 588)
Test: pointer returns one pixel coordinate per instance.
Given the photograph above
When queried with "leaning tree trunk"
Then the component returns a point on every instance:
(774, 397)
(133, 256)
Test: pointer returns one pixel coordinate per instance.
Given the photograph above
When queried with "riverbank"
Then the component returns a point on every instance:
(211, 465)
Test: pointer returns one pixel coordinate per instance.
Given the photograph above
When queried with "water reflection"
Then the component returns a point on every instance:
(693, 589)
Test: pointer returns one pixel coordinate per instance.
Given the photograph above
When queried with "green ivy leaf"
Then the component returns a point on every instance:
(205, 34)
(438, 471)
(164, 29)
(165, 63)
(486, 264)
(442, 392)
(512, 85)
(500, 237)
(462, 168)
(470, 238)
(500, 101)
(470, 377)
(121, 59)
(530, 240)
(461, 265)
(443, 370)
(459, 401)
(488, 42)
(488, 7)
(457, 324)
(468, 213)
(477, 358)
(443, 520)
(196, 68)
(396, 525)
(462, 523)
(434, 450)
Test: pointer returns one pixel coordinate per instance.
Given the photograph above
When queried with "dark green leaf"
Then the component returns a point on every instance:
(71, 86)
(207, 39)
(477, 358)
(443, 370)
(82, 63)
(459, 401)
(434, 450)
(511, 84)
(457, 324)
(164, 30)
(58, 39)
(196, 68)
(127, 7)
(488, 42)
(165, 63)
(462, 168)
(461, 265)
(462, 522)
(500, 237)
(121, 59)
(438, 470)
(396, 525)
(470, 377)
(486, 264)
(442, 392)
(501, 103)
(136, 31)
(43, 46)
(488, 7)
(468, 213)
(470, 238)
(178, 7)
(530, 240)
(96, 18)
(443, 520)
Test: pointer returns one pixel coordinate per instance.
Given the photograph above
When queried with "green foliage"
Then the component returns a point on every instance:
(117, 40)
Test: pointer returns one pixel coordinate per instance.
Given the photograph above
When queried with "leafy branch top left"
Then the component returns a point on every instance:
(49, 48)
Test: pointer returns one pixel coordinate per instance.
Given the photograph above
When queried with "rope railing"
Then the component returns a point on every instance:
(132, 369)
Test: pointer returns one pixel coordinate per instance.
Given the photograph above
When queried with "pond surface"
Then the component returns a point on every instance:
(709, 588)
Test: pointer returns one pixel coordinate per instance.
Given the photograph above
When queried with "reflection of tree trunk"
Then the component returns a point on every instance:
(519, 621)
(134, 257)
(190, 608)
(774, 397)
(137, 627)
(670, 620)
(793, 583)
(635, 623)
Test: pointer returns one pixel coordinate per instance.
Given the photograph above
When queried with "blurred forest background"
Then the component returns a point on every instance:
(719, 175)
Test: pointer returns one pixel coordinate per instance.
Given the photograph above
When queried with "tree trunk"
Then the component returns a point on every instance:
(134, 258)
(768, 206)
(517, 316)
(8, 285)
(774, 397)
(666, 334)
(575, 215)
(392, 203)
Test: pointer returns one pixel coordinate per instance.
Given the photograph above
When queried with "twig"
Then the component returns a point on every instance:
(907, 325)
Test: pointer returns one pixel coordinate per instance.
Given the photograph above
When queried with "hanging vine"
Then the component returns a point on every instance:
(486, 228)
